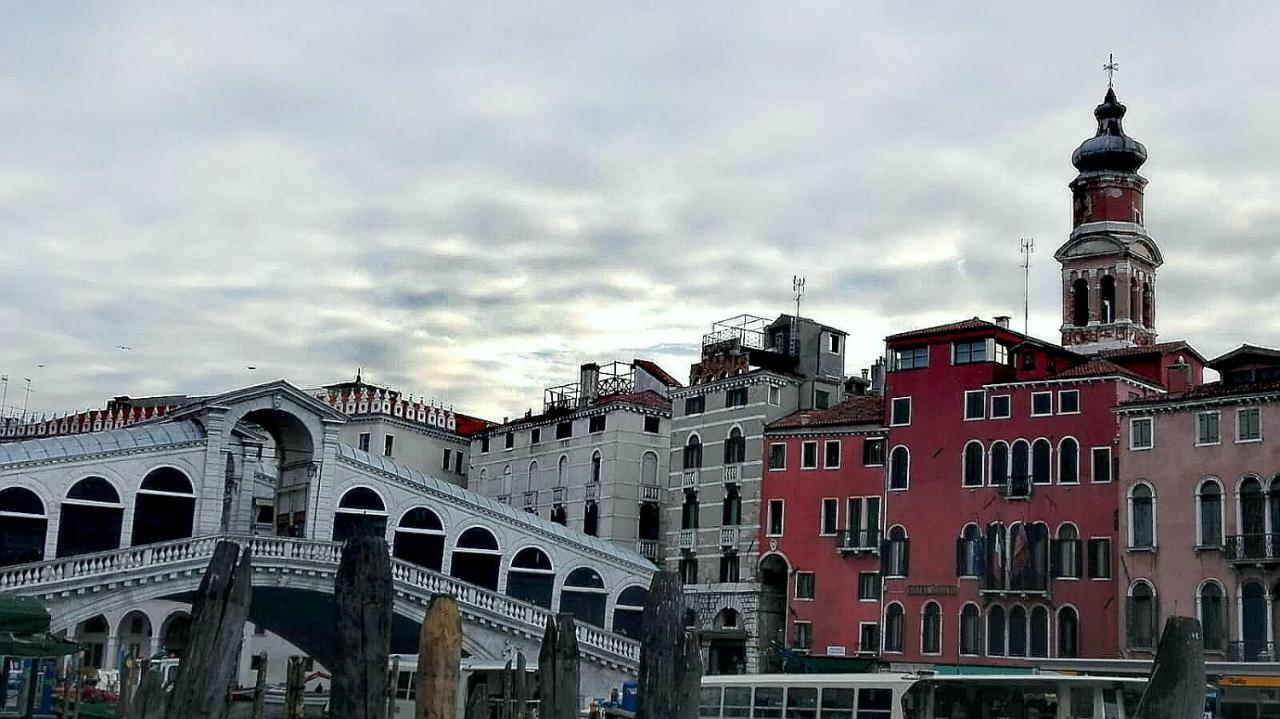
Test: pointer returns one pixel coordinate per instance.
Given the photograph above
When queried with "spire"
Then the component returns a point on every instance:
(1110, 149)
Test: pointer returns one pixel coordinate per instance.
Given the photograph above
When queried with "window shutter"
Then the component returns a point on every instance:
(906, 557)
(1077, 558)
(884, 557)
(1055, 558)
(960, 547)
(1130, 622)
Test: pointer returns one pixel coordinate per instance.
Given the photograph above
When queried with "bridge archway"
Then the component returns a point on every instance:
(477, 558)
(92, 634)
(279, 444)
(164, 508)
(90, 518)
(23, 526)
(584, 596)
(419, 538)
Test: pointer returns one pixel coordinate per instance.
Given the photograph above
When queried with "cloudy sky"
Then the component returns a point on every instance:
(469, 202)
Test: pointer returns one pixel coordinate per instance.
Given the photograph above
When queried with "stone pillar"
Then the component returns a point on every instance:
(320, 497)
(209, 486)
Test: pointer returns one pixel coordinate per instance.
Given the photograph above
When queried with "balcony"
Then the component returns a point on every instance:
(729, 537)
(858, 541)
(688, 539)
(732, 473)
(650, 493)
(591, 492)
(1027, 583)
(1253, 549)
(504, 498)
(1018, 487)
(558, 495)
(689, 479)
(530, 500)
(647, 548)
(1251, 650)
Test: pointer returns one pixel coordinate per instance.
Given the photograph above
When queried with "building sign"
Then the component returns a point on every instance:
(932, 590)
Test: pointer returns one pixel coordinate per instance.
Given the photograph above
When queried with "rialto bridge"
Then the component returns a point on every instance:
(113, 530)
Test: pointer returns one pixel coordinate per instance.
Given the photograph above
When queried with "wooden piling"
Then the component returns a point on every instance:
(670, 661)
(128, 684)
(362, 632)
(217, 626)
(295, 688)
(521, 680)
(478, 702)
(260, 687)
(439, 660)
(1175, 689)
(71, 686)
(150, 700)
(558, 669)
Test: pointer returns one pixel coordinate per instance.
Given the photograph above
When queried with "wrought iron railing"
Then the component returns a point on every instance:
(1018, 487)
(1251, 650)
(1253, 548)
(858, 541)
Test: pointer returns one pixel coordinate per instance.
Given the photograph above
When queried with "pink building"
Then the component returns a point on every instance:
(1201, 526)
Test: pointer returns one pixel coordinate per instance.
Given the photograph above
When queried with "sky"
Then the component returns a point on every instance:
(468, 200)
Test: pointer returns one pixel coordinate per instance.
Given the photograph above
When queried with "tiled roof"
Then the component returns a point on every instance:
(1245, 351)
(1209, 391)
(1098, 367)
(647, 398)
(90, 443)
(658, 373)
(1143, 350)
(858, 409)
(970, 324)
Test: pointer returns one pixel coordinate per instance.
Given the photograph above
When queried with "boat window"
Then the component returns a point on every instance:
(875, 703)
(802, 703)
(405, 685)
(837, 704)
(737, 702)
(1082, 702)
(768, 703)
(1110, 706)
(709, 702)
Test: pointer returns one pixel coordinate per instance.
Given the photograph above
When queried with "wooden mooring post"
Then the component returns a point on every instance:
(670, 657)
(362, 616)
(260, 687)
(558, 670)
(439, 660)
(295, 686)
(1175, 689)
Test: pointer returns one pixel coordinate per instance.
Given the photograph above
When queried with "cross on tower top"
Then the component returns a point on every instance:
(1111, 68)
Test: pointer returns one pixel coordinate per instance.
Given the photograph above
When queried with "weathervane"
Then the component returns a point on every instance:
(1111, 68)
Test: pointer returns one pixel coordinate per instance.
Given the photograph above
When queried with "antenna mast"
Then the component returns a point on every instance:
(1026, 247)
(797, 286)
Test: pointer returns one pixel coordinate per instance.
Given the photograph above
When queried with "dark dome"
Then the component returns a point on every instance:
(1110, 149)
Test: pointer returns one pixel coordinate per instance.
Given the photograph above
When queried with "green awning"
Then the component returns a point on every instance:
(829, 665)
(42, 644)
(22, 615)
(977, 670)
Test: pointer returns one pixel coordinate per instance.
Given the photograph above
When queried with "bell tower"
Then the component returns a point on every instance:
(1109, 262)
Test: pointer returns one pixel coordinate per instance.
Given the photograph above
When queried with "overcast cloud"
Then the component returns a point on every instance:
(470, 201)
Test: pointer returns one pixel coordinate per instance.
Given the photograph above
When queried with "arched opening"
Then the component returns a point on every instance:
(562, 472)
(969, 551)
(476, 558)
(278, 468)
(1107, 290)
(973, 470)
(735, 447)
(92, 635)
(133, 634)
(774, 573)
(165, 507)
(970, 630)
(628, 611)
(23, 526)
(175, 634)
(1253, 519)
(1068, 461)
(899, 468)
(726, 643)
(1142, 518)
(1017, 631)
(1148, 306)
(1068, 633)
(90, 518)
(1213, 616)
(1141, 616)
(995, 631)
(1080, 302)
(692, 457)
(531, 577)
(531, 479)
(895, 628)
(1039, 631)
(1040, 461)
(649, 469)
(1209, 514)
(597, 467)
(584, 596)
(420, 539)
(999, 463)
(931, 629)
(1020, 469)
(591, 518)
(1135, 300)
(1255, 642)
(359, 512)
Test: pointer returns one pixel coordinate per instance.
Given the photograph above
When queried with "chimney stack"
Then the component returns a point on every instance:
(1178, 378)
(588, 383)
(1002, 321)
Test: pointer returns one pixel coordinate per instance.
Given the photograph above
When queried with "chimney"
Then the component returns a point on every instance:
(588, 383)
(866, 373)
(877, 376)
(1178, 376)
(1002, 321)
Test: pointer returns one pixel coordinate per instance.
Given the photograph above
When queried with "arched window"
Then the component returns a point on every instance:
(562, 471)
(999, 463)
(1020, 468)
(23, 525)
(1039, 631)
(896, 559)
(735, 447)
(969, 552)
(1148, 306)
(1068, 461)
(628, 611)
(995, 631)
(1066, 552)
(584, 596)
(1068, 633)
(973, 456)
(591, 518)
(1142, 517)
(899, 468)
(1141, 616)
(1252, 521)
(360, 511)
(596, 466)
(1209, 514)
(1080, 302)
(506, 480)
(1040, 461)
(731, 509)
(90, 518)
(649, 469)
(894, 628)
(1212, 610)
(531, 479)
(970, 630)
(693, 452)
(164, 508)
(1017, 631)
(996, 552)
(931, 629)
(476, 558)
(1107, 292)
(420, 539)
(531, 577)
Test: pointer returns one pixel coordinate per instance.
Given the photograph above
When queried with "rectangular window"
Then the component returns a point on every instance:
(873, 452)
(831, 454)
(1002, 354)
(652, 425)
(809, 455)
(862, 522)
(1100, 464)
(1041, 404)
(1001, 407)
(1141, 433)
(1248, 424)
(688, 570)
(448, 456)
(1207, 428)
(833, 343)
(1069, 401)
(803, 641)
(775, 524)
(457, 462)
(900, 413)
(736, 397)
(821, 399)
(364, 441)
(830, 517)
(868, 642)
(775, 396)
(388, 444)
(535, 435)
(913, 358)
(1100, 558)
(975, 404)
(695, 405)
(508, 440)
(1028, 360)
(777, 456)
(868, 586)
(804, 585)
(564, 430)
(729, 568)
(484, 445)
(969, 352)
(596, 423)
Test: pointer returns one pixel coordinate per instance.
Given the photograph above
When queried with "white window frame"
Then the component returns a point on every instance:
(803, 445)
(1222, 516)
(892, 413)
(1075, 392)
(774, 396)
(1132, 422)
(796, 593)
(889, 462)
(1240, 412)
(795, 646)
(1207, 413)
(982, 634)
(858, 589)
(834, 343)
(782, 518)
(1008, 405)
(1049, 393)
(768, 460)
(1155, 523)
(941, 622)
(884, 627)
(965, 408)
(861, 626)
(1088, 558)
(1092, 475)
(822, 516)
(839, 454)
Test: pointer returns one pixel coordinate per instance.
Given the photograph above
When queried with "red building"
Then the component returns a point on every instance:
(820, 526)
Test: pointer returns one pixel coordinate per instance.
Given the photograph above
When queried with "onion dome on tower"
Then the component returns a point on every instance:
(1110, 148)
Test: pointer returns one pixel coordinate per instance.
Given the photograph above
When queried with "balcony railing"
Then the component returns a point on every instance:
(1251, 650)
(650, 493)
(504, 498)
(530, 499)
(729, 536)
(1253, 548)
(558, 495)
(732, 473)
(858, 541)
(1018, 487)
(647, 548)
(689, 479)
(1027, 581)
(688, 538)
(592, 492)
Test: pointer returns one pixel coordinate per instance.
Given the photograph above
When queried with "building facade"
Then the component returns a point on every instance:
(752, 372)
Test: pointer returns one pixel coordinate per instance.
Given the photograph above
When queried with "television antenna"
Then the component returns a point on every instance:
(1026, 247)
(797, 286)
